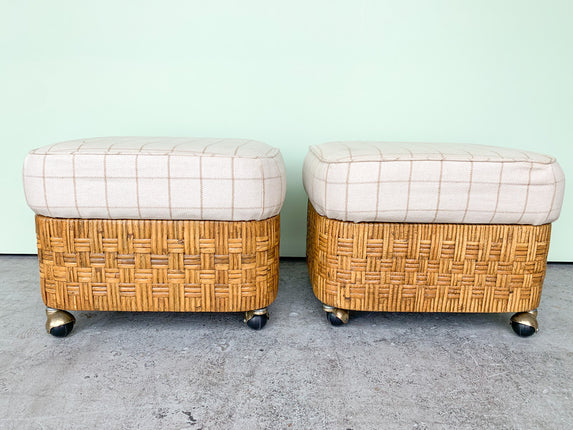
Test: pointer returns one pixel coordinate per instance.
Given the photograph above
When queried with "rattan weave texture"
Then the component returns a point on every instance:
(400, 267)
(158, 265)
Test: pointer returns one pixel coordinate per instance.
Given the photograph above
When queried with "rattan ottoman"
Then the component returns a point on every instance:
(413, 227)
(156, 224)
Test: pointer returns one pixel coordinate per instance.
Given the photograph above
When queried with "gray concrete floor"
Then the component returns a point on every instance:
(209, 371)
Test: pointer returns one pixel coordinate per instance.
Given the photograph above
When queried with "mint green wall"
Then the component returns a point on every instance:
(290, 73)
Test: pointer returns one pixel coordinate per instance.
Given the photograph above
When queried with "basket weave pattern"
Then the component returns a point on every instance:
(400, 267)
(158, 265)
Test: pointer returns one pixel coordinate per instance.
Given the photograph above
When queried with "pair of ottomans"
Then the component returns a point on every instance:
(192, 225)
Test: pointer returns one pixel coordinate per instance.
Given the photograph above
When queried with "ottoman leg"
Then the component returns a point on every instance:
(336, 316)
(59, 323)
(257, 319)
(524, 323)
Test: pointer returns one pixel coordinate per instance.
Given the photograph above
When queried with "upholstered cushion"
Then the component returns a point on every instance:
(432, 183)
(156, 178)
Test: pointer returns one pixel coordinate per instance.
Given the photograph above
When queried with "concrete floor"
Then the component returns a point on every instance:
(209, 371)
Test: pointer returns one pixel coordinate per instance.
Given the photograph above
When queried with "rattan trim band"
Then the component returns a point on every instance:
(399, 267)
(158, 265)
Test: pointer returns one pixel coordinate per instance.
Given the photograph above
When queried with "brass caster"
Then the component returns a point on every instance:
(524, 324)
(59, 323)
(257, 319)
(336, 316)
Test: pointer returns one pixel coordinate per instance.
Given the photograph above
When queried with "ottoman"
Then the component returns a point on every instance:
(415, 227)
(156, 224)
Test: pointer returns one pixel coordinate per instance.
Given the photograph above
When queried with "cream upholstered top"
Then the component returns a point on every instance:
(156, 178)
(432, 183)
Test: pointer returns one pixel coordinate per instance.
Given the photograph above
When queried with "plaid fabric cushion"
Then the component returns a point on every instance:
(432, 183)
(156, 178)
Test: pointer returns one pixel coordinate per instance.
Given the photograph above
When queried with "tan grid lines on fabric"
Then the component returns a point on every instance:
(169, 179)
(201, 186)
(526, 194)
(439, 187)
(526, 155)
(391, 160)
(163, 151)
(347, 180)
(263, 189)
(45, 188)
(252, 178)
(174, 208)
(470, 183)
(460, 177)
(403, 181)
(44, 180)
(75, 182)
(258, 149)
(420, 155)
(164, 154)
(319, 149)
(409, 182)
(201, 190)
(137, 179)
(378, 182)
(499, 185)
(139, 207)
(105, 179)
(269, 181)
(210, 144)
(280, 177)
(550, 209)
(172, 151)
(409, 191)
(483, 211)
(325, 205)
(436, 181)
(233, 181)
(266, 154)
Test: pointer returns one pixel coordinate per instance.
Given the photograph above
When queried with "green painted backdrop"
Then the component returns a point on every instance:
(290, 73)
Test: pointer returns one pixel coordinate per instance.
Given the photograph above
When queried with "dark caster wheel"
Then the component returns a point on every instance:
(62, 330)
(524, 324)
(257, 322)
(336, 316)
(333, 319)
(257, 319)
(522, 330)
(59, 323)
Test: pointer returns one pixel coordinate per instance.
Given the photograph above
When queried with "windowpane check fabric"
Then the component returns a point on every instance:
(432, 183)
(156, 178)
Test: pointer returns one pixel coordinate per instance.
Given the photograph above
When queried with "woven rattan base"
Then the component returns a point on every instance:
(158, 265)
(399, 267)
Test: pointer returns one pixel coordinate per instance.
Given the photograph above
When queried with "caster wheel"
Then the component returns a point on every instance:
(333, 319)
(59, 323)
(336, 316)
(522, 330)
(524, 324)
(63, 330)
(257, 319)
